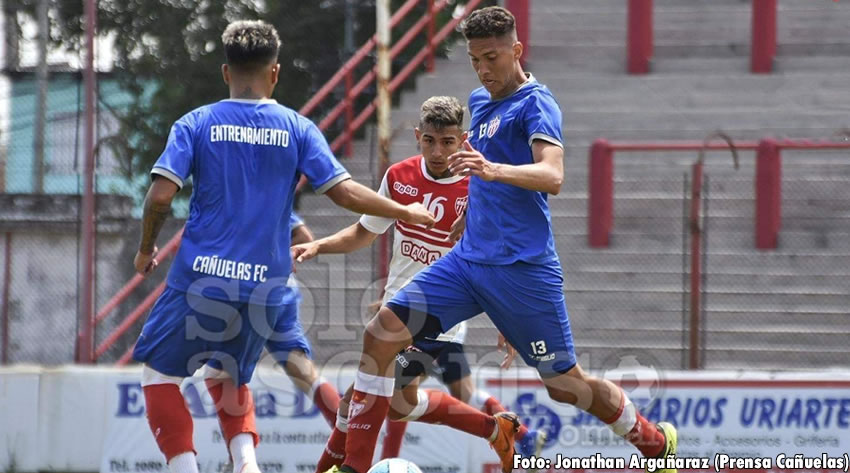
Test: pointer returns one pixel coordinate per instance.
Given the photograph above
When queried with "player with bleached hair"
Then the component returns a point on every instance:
(227, 285)
(505, 264)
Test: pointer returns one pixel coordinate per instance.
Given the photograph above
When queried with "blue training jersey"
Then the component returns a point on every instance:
(245, 158)
(506, 223)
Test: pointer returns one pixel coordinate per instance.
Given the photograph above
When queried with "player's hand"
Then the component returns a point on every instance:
(303, 252)
(146, 263)
(510, 352)
(419, 215)
(469, 162)
(458, 227)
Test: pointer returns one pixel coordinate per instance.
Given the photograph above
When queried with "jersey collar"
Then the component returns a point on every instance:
(448, 180)
(254, 101)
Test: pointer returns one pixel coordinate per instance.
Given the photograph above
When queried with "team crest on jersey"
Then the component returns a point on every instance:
(493, 127)
(460, 204)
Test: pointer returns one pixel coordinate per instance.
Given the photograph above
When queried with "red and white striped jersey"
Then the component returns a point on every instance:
(414, 246)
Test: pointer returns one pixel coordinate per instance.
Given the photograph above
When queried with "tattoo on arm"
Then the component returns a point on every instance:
(152, 220)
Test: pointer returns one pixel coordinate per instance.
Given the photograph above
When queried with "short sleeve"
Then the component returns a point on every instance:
(375, 224)
(543, 120)
(295, 221)
(316, 160)
(175, 162)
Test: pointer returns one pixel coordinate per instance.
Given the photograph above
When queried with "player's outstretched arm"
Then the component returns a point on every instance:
(156, 210)
(349, 239)
(545, 175)
(360, 199)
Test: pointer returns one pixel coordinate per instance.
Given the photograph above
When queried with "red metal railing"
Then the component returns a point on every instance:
(696, 232)
(763, 40)
(639, 47)
(768, 181)
(169, 249)
(345, 108)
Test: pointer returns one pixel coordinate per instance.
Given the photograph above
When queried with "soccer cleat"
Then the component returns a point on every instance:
(532, 443)
(508, 425)
(670, 441)
(342, 469)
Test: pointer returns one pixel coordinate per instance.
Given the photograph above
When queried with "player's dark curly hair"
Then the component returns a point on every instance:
(250, 44)
(441, 112)
(489, 22)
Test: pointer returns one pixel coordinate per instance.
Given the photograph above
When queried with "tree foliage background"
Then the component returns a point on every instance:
(168, 55)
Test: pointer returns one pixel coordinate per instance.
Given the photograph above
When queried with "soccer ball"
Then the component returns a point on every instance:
(394, 465)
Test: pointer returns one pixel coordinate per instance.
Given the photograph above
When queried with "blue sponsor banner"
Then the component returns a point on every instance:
(780, 424)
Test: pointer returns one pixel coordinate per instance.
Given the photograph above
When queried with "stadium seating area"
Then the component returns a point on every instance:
(785, 308)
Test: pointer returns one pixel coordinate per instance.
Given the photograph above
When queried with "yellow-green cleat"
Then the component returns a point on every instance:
(334, 469)
(670, 442)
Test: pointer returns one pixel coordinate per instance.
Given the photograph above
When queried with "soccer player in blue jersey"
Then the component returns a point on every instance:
(227, 284)
(505, 264)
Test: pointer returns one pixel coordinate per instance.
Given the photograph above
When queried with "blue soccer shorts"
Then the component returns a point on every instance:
(288, 334)
(445, 361)
(524, 301)
(184, 331)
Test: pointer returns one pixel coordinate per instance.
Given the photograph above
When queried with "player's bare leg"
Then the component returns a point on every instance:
(609, 403)
(169, 420)
(403, 404)
(303, 373)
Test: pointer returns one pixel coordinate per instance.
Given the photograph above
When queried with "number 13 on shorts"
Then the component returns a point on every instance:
(538, 347)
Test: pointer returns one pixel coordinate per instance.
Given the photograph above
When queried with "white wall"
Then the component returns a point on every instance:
(92, 419)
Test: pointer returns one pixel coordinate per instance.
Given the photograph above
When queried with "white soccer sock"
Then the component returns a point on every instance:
(312, 392)
(625, 418)
(341, 422)
(242, 451)
(420, 409)
(183, 463)
(372, 384)
(479, 399)
(495, 433)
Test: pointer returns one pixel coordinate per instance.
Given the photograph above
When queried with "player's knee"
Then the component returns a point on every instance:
(571, 387)
(386, 333)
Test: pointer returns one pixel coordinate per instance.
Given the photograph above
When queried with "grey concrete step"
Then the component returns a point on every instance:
(671, 300)
(673, 281)
(743, 321)
(775, 358)
(737, 262)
